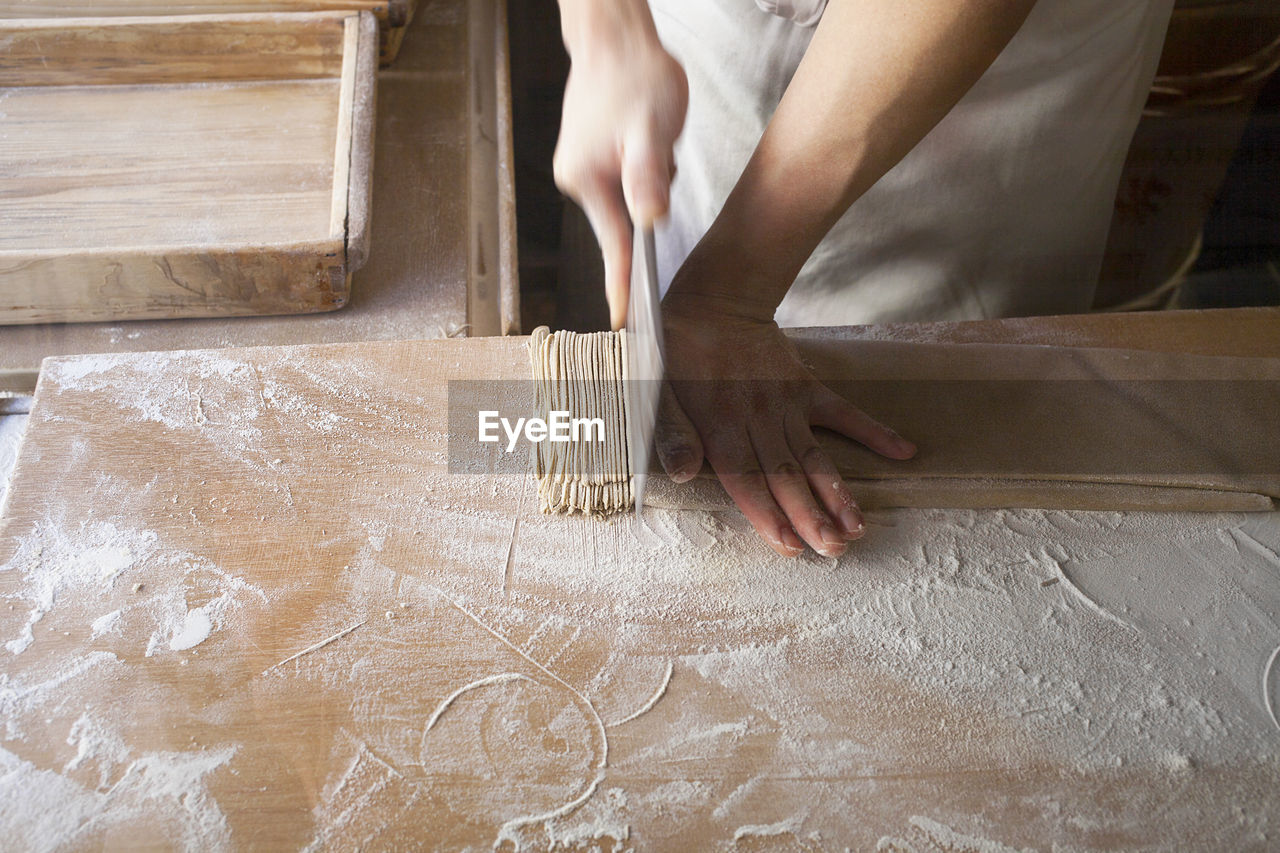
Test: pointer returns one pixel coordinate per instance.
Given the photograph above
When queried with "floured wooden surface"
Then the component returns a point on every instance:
(181, 527)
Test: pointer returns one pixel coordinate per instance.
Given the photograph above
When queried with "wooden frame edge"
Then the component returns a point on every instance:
(508, 242)
(492, 297)
(359, 203)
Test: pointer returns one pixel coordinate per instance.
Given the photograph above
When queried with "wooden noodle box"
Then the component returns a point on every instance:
(184, 166)
(393, 15)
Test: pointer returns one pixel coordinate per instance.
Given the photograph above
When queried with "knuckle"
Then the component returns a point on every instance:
(784, 468)
(813, 459)
(751, 481)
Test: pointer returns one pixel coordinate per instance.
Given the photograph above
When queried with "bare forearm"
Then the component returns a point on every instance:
(875, 80)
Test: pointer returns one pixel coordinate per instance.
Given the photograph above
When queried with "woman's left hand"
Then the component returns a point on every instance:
(741, 397)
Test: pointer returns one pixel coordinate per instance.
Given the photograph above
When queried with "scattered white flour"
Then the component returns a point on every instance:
(600, 818)
(194, 631)
(107, 623)
(790, 825)
(1148, 652)
(42, 810)
(232, 401)
(97, 742)
(56, 562)
(939, 836)
(180, 626)
(53, 561)
(12, 428)
(140, 382)
(22, 698)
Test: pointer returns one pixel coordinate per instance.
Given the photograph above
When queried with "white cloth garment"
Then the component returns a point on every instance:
(804, 13)
(1002, 210)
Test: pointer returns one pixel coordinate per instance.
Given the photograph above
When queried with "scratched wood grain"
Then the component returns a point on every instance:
(184, 166)
(397, 656)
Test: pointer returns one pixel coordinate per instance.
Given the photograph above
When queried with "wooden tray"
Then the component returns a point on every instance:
(183, 166)
(393, 15)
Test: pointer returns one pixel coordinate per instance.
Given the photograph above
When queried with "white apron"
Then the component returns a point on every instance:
(1002, 210)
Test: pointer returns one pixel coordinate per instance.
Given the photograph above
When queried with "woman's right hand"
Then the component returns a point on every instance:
(624, 108)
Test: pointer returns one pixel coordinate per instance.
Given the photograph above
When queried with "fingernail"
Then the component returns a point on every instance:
(832, 541)
(790, 539)
(682, 468)
(851, 521)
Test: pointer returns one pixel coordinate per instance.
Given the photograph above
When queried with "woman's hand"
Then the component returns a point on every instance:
(624, 107)
(744, 401)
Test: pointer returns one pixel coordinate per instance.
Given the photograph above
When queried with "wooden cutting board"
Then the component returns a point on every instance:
(261, 612)
(188, 166)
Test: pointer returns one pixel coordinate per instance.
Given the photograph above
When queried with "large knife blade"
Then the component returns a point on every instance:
(644, 358)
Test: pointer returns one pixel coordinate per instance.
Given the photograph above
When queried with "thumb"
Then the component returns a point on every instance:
(607, 212)
(677, 443)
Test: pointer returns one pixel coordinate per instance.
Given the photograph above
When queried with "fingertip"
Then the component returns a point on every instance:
(683, 472)
(851, 522)
(894, 446)
(680, 464)
(833, 541)
(789, 541)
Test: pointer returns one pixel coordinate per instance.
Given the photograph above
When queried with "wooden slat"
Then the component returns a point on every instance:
(90, 287)
(131, 8)
(1241, 332)
(84, 52)
(359, 198)
(484, 297)
(115, 167)
(393, 15)
(341, 175)
(508, 262)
